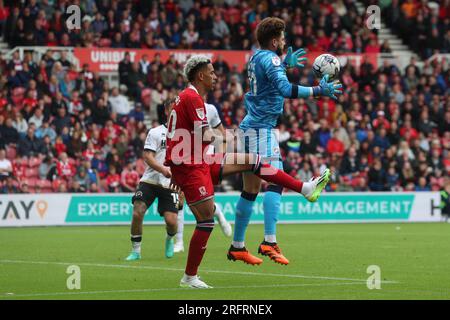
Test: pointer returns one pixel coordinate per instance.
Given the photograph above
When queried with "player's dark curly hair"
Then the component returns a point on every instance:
(268, 29)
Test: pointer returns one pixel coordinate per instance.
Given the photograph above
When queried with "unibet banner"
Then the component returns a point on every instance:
(86, 209)
(108, 59)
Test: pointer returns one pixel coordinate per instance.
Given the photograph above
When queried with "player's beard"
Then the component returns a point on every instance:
(279, 51)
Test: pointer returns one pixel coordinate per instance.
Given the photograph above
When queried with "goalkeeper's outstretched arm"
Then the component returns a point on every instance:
(277, 76)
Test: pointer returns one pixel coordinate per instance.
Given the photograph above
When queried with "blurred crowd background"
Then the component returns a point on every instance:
(65, 130)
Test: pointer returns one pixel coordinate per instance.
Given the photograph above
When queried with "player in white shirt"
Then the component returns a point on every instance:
(216, 125)
(155, 183)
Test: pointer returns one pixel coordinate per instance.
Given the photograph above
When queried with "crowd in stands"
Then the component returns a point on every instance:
(68, 130)
(423, 25)
(325, 25)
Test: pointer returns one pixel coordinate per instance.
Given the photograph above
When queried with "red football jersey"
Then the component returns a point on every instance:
(187, 117)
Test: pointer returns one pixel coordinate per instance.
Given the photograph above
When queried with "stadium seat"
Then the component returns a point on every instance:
(31, 172)
(11, 153)
(56, 183)
(34, 162)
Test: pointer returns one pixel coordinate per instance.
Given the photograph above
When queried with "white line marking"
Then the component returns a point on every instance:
(181, 289)
(101, 265)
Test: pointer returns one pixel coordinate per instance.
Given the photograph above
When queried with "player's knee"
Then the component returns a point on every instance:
(139, 209)
(171, 220)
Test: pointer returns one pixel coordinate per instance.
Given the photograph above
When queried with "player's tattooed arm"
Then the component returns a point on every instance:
(149, 158)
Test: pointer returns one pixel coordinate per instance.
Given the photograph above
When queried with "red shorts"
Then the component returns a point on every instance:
(197, 181)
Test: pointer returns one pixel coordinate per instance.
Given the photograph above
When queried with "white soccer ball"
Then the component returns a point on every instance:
(326, 64)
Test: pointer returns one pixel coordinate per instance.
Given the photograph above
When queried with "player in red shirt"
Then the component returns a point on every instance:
(187, 140)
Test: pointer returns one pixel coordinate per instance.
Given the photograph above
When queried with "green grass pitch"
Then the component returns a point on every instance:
(327, 261)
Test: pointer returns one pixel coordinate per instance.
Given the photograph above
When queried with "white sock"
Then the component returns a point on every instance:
(188, 278)
(238, 244)
(270, 238)
(179, 235)
(218, 213)
(136, 245)
(306, 188)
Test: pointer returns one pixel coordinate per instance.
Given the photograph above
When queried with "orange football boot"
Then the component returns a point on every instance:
(243, 255)
(272, 250)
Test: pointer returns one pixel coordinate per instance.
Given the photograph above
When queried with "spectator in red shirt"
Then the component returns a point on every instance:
(75, 104)
(381, 121)
(113, 180)
(373, 46)
(129, 178)
(60, 147)
(64, 168)
(408, 132)
(334, 145)
(111, 130)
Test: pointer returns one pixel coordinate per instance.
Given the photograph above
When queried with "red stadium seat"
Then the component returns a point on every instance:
(34, 162)
(24, 162)
(31, 172)
(56, 183)
(11, 153)
(32, 182)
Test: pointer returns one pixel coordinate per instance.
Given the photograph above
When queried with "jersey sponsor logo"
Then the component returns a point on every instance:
(163, 140)
(200, 113)
(276, 61)
(202, 191)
